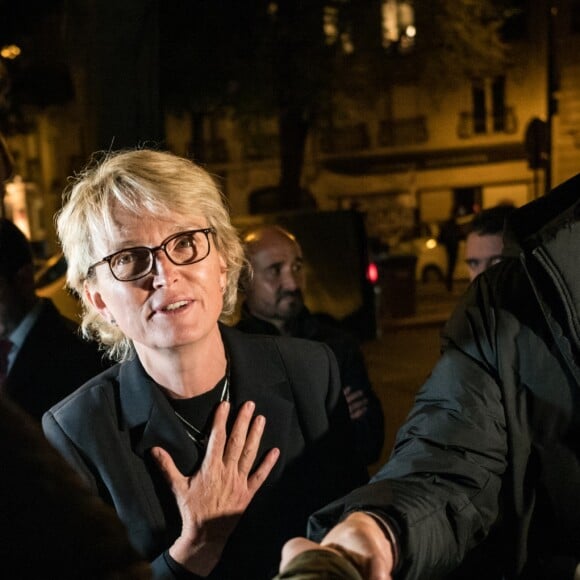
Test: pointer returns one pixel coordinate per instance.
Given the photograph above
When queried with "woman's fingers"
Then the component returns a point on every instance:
(218, 437)
(235, 453)
(251, 446)
(238, 437)
(259, 476)
(167, 466)
(242, 446)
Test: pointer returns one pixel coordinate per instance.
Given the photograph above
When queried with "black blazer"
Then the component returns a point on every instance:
(53, 361)
(106, 429)
(369, 428)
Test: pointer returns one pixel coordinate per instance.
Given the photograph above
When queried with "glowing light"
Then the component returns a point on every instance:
(347, 45)
(330, 24)
(272, 9)
(411, 31)
(372, 273)
(10, 51)
(431, 243)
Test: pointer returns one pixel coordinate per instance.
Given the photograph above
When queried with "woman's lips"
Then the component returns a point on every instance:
(175, 305)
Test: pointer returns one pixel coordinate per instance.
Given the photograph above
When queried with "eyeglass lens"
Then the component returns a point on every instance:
(185, 248)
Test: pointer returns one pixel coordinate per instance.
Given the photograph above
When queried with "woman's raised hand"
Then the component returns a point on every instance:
(213, 499)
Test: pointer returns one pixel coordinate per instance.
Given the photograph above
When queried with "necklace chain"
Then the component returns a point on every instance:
(196, 435)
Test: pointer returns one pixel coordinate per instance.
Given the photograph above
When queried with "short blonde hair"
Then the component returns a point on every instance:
(143, 182)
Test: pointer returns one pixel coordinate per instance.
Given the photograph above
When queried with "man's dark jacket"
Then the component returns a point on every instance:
(107, 428)
(369, 429)
(51, 525)
(487, 466)
(53, 361)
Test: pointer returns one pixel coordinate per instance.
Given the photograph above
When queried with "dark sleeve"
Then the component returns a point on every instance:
(51, 525)
(441, 486)
(321, 407)
(163, 567)
(66, 448)
(369, 429)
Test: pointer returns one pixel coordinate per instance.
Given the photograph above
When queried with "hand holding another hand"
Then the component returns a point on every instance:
(359, 539)
(212, 500)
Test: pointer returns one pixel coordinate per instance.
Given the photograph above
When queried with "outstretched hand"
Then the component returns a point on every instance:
(212, 500)
(359, 539)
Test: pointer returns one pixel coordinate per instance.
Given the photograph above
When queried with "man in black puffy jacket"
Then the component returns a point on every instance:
(484, 481)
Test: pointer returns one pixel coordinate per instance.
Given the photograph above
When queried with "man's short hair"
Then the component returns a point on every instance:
(15, 250)
(491, 221)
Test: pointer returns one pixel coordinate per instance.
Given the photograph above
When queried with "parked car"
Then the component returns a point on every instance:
(431, 255)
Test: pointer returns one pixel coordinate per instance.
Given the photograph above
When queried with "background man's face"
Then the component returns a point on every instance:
(481, 252)
(275, 291)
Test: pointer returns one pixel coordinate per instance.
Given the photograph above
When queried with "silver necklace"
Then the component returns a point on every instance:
(196, 435)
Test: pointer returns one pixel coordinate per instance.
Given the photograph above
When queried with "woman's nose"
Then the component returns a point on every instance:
(164, 270)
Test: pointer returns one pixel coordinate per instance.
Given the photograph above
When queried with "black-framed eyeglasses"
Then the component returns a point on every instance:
(182, 248)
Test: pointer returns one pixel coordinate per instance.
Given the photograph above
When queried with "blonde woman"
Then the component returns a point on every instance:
(212, 446)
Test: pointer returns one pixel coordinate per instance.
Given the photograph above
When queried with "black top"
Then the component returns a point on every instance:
(196, 413)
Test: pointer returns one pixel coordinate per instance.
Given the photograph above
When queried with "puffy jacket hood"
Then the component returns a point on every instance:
(538, 221)
(547, 232)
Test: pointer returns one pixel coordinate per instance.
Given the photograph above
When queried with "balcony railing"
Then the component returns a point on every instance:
(399, 132)
(345, 139)
(470, 125)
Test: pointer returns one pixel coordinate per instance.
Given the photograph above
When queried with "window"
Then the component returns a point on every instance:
(398, 25)
(498, 104)
(490, 113)
(479, 107)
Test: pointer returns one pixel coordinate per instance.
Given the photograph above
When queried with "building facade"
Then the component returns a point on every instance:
(417, 155)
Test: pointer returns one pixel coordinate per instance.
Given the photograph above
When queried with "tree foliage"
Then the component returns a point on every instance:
(260, 55)
(466, 41)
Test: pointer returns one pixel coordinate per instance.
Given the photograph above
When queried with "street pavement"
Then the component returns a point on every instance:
(401, 359)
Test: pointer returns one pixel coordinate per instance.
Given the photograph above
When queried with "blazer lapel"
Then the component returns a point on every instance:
(263, 380)
(152, 418)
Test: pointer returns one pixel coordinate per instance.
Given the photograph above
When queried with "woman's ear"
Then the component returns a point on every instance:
(95, 298)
